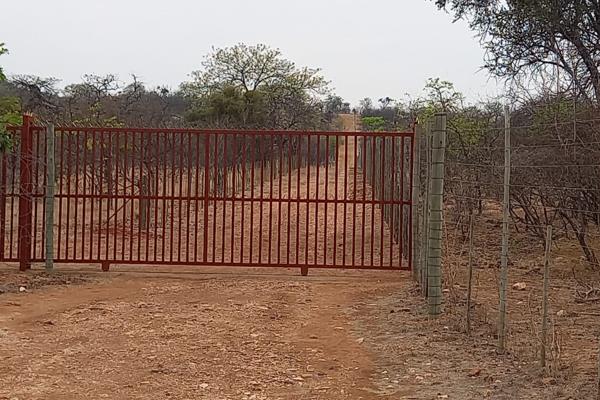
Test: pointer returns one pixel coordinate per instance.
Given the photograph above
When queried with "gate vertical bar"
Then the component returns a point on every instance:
(393, 197)
(234, 160)
(364, 198)
(327, 137)
(3, 191)
(216, 189)
(225, 172)
(354, 177)
(289, 198)
(25, 205)
(197, 194)
(434, 256)
(261, 149)
(304, 270)
(206, 193)
(411, 215)
(317, 184)
(50, 171)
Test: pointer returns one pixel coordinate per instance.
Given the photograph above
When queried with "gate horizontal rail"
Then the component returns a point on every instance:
(211, 197)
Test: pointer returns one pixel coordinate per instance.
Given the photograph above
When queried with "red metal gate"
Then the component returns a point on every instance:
(211, 197)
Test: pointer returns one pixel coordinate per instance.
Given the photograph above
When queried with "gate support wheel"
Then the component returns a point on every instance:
(304, 271)
(105, 266)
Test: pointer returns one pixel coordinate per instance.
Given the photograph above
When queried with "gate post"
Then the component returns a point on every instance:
(436, 203)
(25, 195)
(50, 181)
(3, 206)
(415, 198)
(425, 212)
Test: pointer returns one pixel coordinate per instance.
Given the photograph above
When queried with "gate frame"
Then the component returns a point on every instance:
(25, 214)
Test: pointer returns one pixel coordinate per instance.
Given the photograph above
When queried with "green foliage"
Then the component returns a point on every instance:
(440, 96)
(335, 105)
(250, 68)
(365, 105)
(467, 129)
(558, 109)
(10, 112)
(3, 50)
(467, 125)
(254, 86)
(111, 122)
(529, 40)
(229, 106)
(373, 124)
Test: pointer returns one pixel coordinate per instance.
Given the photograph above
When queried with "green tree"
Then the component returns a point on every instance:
(3, 50)
(442, 96)
(255, 86)
(373, 124)
(334, 104)
(531, 39)
(365, 105)
(439, 96)
(10, 110)
(466, 124)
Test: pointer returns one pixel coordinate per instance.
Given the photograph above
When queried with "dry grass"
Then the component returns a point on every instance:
(571, 343)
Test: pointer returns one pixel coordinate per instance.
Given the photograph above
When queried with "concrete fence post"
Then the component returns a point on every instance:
(50, 181)
(436, 203)
(505, 234)
(424, 245)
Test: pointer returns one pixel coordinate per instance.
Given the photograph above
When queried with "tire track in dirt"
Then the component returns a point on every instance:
(213, 337)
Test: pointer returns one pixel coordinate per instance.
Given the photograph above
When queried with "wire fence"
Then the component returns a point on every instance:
(551, 174)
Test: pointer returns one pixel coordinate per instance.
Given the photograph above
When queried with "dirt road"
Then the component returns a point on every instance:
(188, 336)
(242, 335)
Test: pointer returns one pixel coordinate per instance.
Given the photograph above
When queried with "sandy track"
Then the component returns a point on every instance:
(190, 336)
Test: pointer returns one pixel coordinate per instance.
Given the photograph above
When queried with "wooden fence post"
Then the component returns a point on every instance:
(436, 204)
(505, 233)
(50, 181)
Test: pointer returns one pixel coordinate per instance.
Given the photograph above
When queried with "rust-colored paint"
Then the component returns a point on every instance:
(194, 178)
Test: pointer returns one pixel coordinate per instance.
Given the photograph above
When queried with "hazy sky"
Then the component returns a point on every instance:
(371, 48)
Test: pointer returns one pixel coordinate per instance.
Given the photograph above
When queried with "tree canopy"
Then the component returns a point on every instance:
(255, 86)
(3, 50)
(532, 39)
(9, 110)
